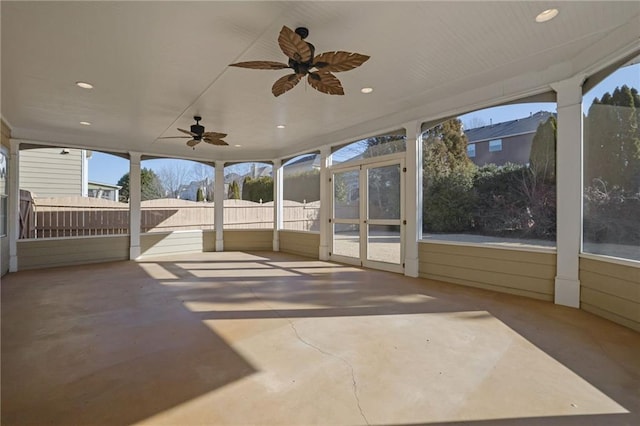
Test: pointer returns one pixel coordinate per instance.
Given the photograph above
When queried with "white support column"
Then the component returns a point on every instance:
(85, 173)
(412, 210)
(326, 192)
(569, 190)
(14, 204)
(218, 198)
(277, 203)
(135, 197)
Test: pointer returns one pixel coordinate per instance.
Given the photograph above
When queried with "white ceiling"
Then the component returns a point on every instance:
(156, 64)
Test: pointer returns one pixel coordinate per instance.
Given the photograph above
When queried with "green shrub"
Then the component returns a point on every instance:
(259, 189)
(501, 207)
(448, 204)
(611, 215)
(301, 187)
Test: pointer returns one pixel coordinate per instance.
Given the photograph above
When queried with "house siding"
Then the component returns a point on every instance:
(248, 240)
(166, 243)
(45, 253)
(515, 149)
(611, 290)
(523, 273)
(301, 243)
(45, 172)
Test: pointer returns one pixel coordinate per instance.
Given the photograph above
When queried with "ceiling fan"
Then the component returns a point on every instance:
(197, 134)
(302, 61)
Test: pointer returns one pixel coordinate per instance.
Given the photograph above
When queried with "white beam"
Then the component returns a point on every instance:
(569, 190)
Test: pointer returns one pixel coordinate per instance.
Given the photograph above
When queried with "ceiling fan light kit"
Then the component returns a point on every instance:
(318, 69)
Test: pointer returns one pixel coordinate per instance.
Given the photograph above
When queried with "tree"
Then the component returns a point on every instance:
(173, 176)
(384, 182)
(383, 145)
(542, 159)
(445, 150)
(204, 174)
(447, 179)
(200, 195)
(612, 140)
(234, 191)
(612, 168)
(150, 186)
(340, 188)
(474, 122)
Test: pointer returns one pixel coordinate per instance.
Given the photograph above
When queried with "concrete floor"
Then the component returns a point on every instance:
(269, 338)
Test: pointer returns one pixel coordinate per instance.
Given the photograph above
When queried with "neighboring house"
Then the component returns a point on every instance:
(258, 171)
(302, 165)
(508, 142)
(54, 172)
(105, 191)
(190, 191)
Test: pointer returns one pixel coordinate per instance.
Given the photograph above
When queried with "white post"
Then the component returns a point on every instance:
(569, 190)
(412, 199)
(277, 203)
(218, 198)
(14, 204)
(326, 192)
(135, 211)
(85, 173)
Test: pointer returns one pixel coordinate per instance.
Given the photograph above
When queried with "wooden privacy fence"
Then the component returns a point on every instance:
(76, 217)
(83, 216)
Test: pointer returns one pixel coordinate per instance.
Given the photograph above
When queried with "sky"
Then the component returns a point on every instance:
(105, 168)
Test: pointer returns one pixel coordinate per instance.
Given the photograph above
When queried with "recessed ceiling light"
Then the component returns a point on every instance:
(84, 84)
(85, 123)
(280, 126)
(547, 15)
(366, 89)
(237, 146)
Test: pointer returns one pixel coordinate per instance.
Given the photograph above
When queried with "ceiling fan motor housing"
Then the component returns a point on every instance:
(197, 128)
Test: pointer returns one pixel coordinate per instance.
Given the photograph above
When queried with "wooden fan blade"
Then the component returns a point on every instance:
(285, 83)
(293, 45)
(261, 65)
(338, 61)
(193, 135)
(192, 143)
(214, 135)
(218, 142)
(325, 82)
(175, 137)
